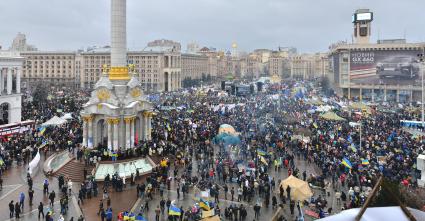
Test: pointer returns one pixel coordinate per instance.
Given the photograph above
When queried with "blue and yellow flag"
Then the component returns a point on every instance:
(263, 160)
(346, 163)
(174, 211)
(204, 204)
(42, 130)
(261, 152)
(365, 162)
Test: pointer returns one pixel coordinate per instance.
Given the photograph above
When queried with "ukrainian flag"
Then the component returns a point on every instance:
(365, 162)
(174, 211)
(204, 204)
(42, 130)
(261, 152)
(140, 218)
(346, 163)
(263, 160)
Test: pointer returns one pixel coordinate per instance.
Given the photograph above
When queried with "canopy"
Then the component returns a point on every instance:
(55, 121)
(67, 116)
(377, 213)
(299, 189)
(360, 106)
(331, 116)
(212, 218)
(226, 128)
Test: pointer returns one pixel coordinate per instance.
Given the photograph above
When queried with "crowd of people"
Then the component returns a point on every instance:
(275, 129)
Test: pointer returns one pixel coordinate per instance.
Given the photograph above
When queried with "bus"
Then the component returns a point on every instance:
(9, 129)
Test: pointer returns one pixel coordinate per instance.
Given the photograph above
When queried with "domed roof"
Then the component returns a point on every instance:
(104, 82)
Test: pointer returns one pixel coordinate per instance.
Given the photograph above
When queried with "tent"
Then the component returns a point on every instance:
(376, 213)
(226, 128)
(212, 218)
(299, 189)
(67, 116)
(331, 116)
(55, 121)
(360, 106)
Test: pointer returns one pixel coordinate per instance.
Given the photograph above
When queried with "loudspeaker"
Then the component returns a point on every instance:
(233, 91)
(259, 86)
(223, 85)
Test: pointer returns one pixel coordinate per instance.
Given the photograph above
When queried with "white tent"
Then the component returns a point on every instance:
(55, 121)
(376, 213)
(67, 116)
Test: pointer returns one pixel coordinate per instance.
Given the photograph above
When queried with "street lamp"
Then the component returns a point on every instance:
(421, 62)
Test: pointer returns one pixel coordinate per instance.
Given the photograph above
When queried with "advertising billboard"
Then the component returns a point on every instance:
(384, 67)
(364, 16)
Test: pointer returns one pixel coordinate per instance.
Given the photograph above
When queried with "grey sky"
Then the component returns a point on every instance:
(309, 25)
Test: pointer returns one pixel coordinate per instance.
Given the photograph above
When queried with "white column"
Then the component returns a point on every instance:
(1, 81)
(18, 80)
(143, 127)
(132, 133)
(118, 33)
(90, 133)
(84, 133)
(9, 81)
(127, 133)
(110, 125)
(149, 127)
(116, 145)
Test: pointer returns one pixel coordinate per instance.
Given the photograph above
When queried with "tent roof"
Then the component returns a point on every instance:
(67, 116)
(300, 190)
(331, 116)
(212, 218)
(376, 213)
(54, 121)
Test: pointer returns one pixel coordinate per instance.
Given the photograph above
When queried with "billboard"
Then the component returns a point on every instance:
(384, 67)
(364, 16)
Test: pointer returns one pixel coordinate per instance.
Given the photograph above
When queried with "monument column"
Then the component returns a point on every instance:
(90, 132)
(18, 80)
(1, 81)
(84, 132)
(116, 133)
(9, 81)
(149, 126)
(110, 125)
(143, 125)
(127, 121)
(132, 132)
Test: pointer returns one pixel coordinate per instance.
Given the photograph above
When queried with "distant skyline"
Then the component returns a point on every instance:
(308, 25)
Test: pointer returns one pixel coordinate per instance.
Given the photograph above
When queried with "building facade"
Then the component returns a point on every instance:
(56, 68)
(10, 87)
(377, 72)
(309, 66)
(194, 66)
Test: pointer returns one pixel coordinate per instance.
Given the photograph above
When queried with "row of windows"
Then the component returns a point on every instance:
(50, 57)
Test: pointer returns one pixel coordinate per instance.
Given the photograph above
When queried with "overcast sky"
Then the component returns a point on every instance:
(309, 25)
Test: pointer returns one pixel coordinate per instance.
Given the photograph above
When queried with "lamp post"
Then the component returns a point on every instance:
(421, 61)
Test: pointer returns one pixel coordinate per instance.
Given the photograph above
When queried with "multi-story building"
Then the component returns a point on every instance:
(213, 57)
(20, 44)
(157, 70)
(253, 67)
(56, 68)
(309, 66)
(194, 66)
(10, 87)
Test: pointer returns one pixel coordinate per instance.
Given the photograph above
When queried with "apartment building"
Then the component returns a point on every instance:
(194, 66)
(56, 68)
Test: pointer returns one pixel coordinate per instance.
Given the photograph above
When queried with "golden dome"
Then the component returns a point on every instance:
(234, 45)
